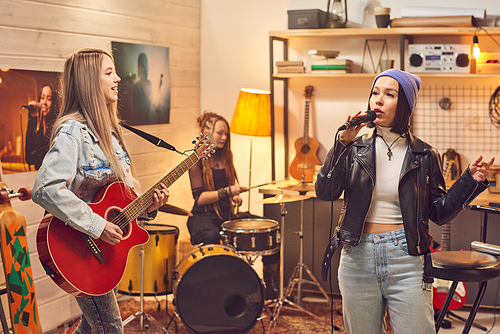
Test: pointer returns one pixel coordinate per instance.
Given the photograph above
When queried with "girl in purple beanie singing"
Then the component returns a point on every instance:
(393, 185)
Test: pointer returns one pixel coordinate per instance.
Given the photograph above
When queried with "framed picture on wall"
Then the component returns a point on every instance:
(144, 93)
(27, 111)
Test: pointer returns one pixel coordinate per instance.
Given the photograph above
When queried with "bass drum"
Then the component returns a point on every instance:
(159, 262)
(216, 291)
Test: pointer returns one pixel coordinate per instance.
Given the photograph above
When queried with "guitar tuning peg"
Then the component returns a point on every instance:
(193, 142)
(213, 151)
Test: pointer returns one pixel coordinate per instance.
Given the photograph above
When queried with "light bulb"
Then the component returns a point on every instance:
(476, 51)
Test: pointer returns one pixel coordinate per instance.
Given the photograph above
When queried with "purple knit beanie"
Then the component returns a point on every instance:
(409, 82)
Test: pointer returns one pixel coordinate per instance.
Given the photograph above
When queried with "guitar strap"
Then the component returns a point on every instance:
(149, 137)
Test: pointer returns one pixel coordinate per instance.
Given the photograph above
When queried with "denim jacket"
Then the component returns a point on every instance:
(72, 172)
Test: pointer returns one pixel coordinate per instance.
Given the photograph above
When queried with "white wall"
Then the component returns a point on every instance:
(39, 35)
(235, 54)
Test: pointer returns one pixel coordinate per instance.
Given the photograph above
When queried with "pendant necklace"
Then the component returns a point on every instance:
(389, 147)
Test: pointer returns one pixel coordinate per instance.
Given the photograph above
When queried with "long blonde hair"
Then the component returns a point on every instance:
(82, 99)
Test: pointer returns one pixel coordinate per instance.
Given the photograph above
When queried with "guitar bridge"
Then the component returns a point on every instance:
(94, 249)
(304, 166)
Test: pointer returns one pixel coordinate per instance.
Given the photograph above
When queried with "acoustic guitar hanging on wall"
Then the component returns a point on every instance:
(303, 165)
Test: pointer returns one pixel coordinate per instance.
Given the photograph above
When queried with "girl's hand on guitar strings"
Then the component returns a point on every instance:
(160, 198)
(111, 234)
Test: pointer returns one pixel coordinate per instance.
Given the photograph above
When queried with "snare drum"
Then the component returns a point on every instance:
(159, 262)
(216, 291)
(252, 235)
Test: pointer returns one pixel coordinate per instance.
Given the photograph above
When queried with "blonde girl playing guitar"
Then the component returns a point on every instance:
(87, 153)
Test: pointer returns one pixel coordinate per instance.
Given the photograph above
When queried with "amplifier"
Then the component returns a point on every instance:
(439, 58)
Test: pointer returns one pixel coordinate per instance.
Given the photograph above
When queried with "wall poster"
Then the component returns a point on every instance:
(144, 93)
(27, 112)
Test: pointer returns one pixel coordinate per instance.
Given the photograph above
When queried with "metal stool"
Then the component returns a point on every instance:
(466, 266)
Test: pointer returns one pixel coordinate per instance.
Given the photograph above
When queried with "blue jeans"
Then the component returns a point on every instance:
(377, 274)
(101, 315)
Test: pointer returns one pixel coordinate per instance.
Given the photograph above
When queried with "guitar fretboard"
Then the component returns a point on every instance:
(141, 203)
(306, 124)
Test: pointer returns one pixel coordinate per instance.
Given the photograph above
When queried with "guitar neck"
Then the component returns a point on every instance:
(141, 203)
(305, 139)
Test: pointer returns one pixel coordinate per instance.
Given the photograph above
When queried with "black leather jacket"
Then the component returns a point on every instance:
(422, 196)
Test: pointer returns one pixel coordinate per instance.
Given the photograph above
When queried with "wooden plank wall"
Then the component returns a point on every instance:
(39, 35)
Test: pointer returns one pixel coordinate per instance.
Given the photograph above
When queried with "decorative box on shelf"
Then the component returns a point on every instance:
(488, 63)
(306, 19)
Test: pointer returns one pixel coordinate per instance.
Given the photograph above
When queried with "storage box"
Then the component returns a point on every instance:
(488, 63)
(306, 19)
(494, 179)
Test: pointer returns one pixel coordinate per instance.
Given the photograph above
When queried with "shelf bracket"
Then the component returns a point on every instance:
(402, 47)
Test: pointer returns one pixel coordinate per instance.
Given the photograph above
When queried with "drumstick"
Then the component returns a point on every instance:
(263, 184)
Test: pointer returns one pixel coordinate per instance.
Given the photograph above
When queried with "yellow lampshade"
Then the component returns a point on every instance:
(252, 115)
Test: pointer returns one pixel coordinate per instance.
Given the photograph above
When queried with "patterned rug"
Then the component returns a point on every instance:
(290, 320)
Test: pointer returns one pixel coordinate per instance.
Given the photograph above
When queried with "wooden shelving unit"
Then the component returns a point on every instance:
(405, 36)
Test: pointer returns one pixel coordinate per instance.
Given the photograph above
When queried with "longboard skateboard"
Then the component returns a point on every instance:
(17, 265)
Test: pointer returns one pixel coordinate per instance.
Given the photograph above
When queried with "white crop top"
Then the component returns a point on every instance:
(384, 207)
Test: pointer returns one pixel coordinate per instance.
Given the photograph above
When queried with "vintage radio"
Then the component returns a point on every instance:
(440, 58)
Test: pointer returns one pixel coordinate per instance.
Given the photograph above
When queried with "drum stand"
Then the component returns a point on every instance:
(283, 296)
(141, 314)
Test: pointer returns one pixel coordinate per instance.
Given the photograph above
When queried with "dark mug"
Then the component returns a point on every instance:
(383, 21)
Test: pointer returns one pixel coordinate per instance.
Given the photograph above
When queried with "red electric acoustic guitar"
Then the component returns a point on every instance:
(452, 170)
(84, 266)
(305, 161)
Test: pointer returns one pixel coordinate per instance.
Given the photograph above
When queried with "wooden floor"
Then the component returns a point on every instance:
(485, 318)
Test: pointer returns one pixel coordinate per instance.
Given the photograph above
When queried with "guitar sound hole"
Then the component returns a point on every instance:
(112, 216)
(305, 149)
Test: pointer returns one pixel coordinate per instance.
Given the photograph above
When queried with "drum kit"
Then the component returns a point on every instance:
(215, 287)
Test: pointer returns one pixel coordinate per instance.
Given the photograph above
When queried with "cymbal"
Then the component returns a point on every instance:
(301, 187)
(283, 198)
(175, 210)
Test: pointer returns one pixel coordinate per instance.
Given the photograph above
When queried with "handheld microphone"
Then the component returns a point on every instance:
(370, 116)
(30, 107)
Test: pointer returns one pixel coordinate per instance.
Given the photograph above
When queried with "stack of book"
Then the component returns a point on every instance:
(326, 62)
(290, 66)
(323, 54)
